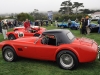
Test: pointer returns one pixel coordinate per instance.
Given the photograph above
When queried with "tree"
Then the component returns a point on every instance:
(77, 5)
(24, 16)
(65, 10)
(88, 11)
(66, 7)
(37, 15)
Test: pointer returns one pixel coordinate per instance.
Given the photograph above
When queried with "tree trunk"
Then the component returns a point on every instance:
(76, 10)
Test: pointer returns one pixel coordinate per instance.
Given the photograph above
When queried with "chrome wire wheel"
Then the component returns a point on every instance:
(66, 60)
(9, 56)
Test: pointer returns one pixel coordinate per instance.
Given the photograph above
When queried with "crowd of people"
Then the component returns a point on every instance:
(43, 22)
(4, 25)
(84, 25)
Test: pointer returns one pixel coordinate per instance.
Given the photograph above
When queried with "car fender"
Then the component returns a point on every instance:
(67, 48)
(11, 45)
(9, 33)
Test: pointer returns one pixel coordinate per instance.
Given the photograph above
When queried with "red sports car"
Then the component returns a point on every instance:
(53, 45)
(20, 32)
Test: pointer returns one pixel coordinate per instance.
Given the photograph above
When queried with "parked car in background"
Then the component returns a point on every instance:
(94, 28)
(68, 51)
(73, 25)
(20, 32)
(63, 25)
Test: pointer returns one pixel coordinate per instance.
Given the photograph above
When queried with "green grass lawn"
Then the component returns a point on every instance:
(35, 67)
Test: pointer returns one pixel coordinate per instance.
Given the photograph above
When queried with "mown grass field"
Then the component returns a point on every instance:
(35, 67)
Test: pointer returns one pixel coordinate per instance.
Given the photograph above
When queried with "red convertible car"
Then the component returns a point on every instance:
(53, 45)
(20, 32)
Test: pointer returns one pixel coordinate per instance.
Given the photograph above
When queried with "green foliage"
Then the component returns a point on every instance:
(66, 7)
(1, 18)
(24, 16)
(77, 5)
(66, 17)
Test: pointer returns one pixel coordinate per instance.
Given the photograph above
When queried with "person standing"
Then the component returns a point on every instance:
(56, 23)
(4, 29)
(87, 23)
(36, 23)
(51, 23)
(27, 25)
(47, 23)
(69, 22)
(83, 26)
(99, 25)
(41, 22)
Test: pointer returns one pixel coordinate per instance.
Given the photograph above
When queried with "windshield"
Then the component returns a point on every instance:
(38, 39)
(70, 36)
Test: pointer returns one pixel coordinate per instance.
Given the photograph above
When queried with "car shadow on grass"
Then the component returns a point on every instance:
(89, 66)
(35, 61)
(82, 66)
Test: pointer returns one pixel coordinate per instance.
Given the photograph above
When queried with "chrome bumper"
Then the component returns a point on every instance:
(98, 52)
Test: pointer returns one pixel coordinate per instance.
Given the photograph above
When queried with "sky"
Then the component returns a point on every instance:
(17, 6)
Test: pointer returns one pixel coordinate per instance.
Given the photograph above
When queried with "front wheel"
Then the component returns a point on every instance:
(67, 60)
(9, 54)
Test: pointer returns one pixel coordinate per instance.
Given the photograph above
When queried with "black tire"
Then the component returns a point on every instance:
(36, 35)
(71, 28)
(9, 54)
(11, 37)
(67, 60)
(76, 28)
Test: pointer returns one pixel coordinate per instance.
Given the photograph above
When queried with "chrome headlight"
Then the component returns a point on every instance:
(20, 34)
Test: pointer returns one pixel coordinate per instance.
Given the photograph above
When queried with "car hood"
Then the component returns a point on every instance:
(84, 41)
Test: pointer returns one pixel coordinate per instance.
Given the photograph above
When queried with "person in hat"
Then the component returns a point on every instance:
(82, 26)
(87, 23)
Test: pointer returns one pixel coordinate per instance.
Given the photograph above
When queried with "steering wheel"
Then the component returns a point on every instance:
(45, 40)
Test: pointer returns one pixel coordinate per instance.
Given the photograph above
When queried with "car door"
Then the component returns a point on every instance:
(25, 50)
(45, 52)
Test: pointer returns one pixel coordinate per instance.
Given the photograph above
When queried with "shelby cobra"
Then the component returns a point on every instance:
(94, 28)
(53, 45)
(73, 25)
(20, 32)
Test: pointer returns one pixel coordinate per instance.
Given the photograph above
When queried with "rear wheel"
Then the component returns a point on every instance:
(11, 37)
(67, 60)
(9, 54)
(76, 28)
